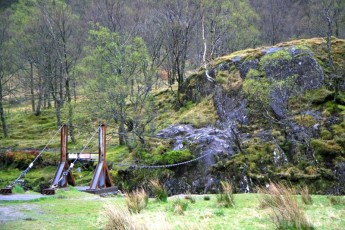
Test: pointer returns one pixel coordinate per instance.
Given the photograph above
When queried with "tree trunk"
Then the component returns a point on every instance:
(121, 131)
(2, 114)
(40, 97)
(58, 112)
(32, 94)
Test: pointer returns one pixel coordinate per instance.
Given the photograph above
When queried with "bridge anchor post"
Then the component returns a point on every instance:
(63, 167)
(101, 182)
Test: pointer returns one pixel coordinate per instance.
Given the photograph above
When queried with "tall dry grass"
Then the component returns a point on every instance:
(284, 210)
(136, 200)
(305, 196)
(226, 198)
(121, 219)
(158, 190)
(180, 206)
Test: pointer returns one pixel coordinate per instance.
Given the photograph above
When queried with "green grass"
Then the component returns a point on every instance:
(77, 210)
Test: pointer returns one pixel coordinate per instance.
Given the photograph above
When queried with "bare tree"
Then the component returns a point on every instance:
(5, 68)
(177, 21)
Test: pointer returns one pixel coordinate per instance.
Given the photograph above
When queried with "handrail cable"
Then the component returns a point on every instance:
(22, 174)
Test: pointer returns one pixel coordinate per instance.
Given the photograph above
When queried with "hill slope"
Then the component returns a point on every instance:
(257, 115)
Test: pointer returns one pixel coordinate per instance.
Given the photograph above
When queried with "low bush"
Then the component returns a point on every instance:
(19, 159)
(18, 189)
(207, 197)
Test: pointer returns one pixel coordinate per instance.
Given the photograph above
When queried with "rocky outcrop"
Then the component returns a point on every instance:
(209, 144)
(254, 142)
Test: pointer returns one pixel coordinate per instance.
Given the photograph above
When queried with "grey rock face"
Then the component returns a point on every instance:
(208, 141)
(247, 65)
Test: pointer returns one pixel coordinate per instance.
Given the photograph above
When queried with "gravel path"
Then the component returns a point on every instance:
(20, 197)
(16, 212)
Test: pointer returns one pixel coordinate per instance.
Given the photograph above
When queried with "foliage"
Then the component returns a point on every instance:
(158, 190)
(20, 160)
(122, 82)
(175, 156)
(18, 189)
(136, 200)
(285, 212)
(207, 197)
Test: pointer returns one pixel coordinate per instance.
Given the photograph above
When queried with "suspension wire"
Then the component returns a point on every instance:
(65, 173)
(22, 174)
(162, 166)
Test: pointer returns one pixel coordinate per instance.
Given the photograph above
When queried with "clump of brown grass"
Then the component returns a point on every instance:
(226, 198)
(180, 206)
(158, 190)
(190, 198)
(136, 200)
(284, 210)
(121, 219)
(305, 196)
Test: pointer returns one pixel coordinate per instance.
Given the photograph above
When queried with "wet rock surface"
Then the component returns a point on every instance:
(209, 142)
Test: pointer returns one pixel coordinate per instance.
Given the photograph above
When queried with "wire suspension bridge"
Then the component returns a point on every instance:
(101, 181)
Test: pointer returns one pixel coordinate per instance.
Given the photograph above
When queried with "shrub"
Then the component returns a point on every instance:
(190, 198)
(325, 147)
(336, 200)
(207, 197)
(219, 212)
(180, 206)
(226, 198)
(136, 200)
(305, 196)
(120, 219)
(18, 189)
(159, 191)
(19, 159)
(284, 210)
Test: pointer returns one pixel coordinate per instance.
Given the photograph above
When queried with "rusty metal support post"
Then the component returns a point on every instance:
(63, 166)
(101, 178)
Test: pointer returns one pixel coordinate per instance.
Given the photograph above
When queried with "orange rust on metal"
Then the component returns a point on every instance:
(101, 178)
(63, 166)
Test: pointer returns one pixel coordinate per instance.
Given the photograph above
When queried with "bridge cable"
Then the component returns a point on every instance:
(22, 174)
(162, 166)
